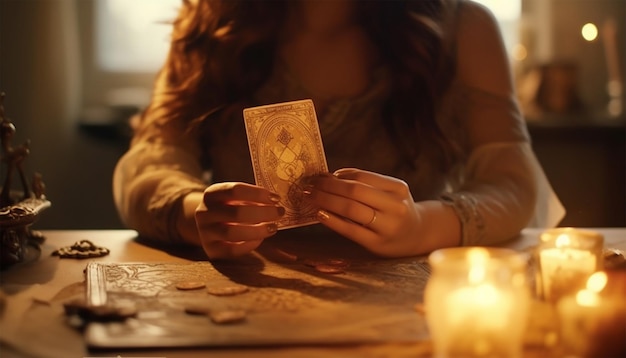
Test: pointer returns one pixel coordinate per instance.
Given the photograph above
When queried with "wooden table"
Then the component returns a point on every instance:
(33, 323)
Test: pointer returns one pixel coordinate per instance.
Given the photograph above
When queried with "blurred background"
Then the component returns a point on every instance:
(74, 71)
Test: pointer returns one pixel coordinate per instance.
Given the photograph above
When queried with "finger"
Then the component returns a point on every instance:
(352, 190)
(239, 193)
(379, 181)
(363, 236)
(235, 233)
(243, 213)
(350, 209)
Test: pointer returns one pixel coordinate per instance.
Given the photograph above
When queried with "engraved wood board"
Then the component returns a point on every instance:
(288, 303)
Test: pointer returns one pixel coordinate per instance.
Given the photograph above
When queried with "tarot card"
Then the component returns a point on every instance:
(286, 149)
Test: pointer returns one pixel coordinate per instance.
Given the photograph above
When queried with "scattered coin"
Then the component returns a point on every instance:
(190, 285)
(328, 265)
(229, 290)
(331, 269)
(227, 316)
(339, 263)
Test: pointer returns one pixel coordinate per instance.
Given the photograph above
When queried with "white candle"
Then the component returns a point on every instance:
(564, 268)
(476, 302)
(566, 259)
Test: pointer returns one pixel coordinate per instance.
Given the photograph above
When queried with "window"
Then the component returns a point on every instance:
(508, 13)
(130, 40)
(133, 35)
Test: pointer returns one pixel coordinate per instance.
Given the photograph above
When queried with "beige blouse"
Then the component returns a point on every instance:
(503, 188)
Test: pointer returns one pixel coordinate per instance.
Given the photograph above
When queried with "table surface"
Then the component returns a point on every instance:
(32, 323)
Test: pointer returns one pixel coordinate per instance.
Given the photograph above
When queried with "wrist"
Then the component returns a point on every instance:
(441, 225)
(465, 206)
(186, 219)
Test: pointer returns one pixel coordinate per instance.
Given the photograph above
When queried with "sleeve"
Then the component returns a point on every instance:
(149, 183)
(161, 167)
(504, 188)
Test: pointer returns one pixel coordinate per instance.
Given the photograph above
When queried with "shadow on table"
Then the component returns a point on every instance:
(283, 261)
(38, 267)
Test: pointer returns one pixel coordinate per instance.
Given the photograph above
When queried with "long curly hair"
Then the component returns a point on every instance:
(222, 51)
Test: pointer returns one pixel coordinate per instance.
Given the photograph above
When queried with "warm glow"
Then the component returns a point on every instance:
(519, 52)
(477, 255)
(563, 240)
(589, 32)
(477, 258)
(595, 284)
(587, 298)
(518, 280)
(597, 281)
(486, 295)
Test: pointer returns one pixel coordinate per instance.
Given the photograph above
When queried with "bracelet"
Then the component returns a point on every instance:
(472, 223)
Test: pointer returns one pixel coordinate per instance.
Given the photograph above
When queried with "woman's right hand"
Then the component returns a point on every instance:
(234, 218)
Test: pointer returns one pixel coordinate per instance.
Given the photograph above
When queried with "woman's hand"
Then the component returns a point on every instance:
(234, 218)
(374, 210)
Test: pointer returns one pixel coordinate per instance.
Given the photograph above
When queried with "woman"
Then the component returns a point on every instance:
(415, 105)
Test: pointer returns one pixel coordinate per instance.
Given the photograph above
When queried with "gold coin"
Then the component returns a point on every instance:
(339, 263)
(229, 290)
(331, 269)
(190, 285)
(227, 316)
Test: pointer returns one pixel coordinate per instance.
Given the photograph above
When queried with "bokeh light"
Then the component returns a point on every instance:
(589, 31)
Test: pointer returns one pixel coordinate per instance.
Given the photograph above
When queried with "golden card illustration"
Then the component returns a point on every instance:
(286, 149)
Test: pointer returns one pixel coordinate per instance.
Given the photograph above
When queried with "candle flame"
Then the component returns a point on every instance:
(477, 255)
(597, 281)
(477, 258)
(563, 240)
(595, 284)
(587, 298)
(486, 295)
(476, 274)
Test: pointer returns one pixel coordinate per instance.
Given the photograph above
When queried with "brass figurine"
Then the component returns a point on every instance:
(18, 209)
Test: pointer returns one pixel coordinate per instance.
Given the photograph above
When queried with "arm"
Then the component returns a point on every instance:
(497, 197)
(150, 183)
(505, 188)
(158, 192)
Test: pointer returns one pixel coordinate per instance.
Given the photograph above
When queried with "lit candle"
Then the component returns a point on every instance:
(476, 302)
(593, 320)
(567, 256)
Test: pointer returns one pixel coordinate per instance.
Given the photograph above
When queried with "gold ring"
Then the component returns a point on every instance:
(373, 219)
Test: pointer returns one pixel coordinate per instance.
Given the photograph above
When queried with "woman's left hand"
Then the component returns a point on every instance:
(374, 210)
